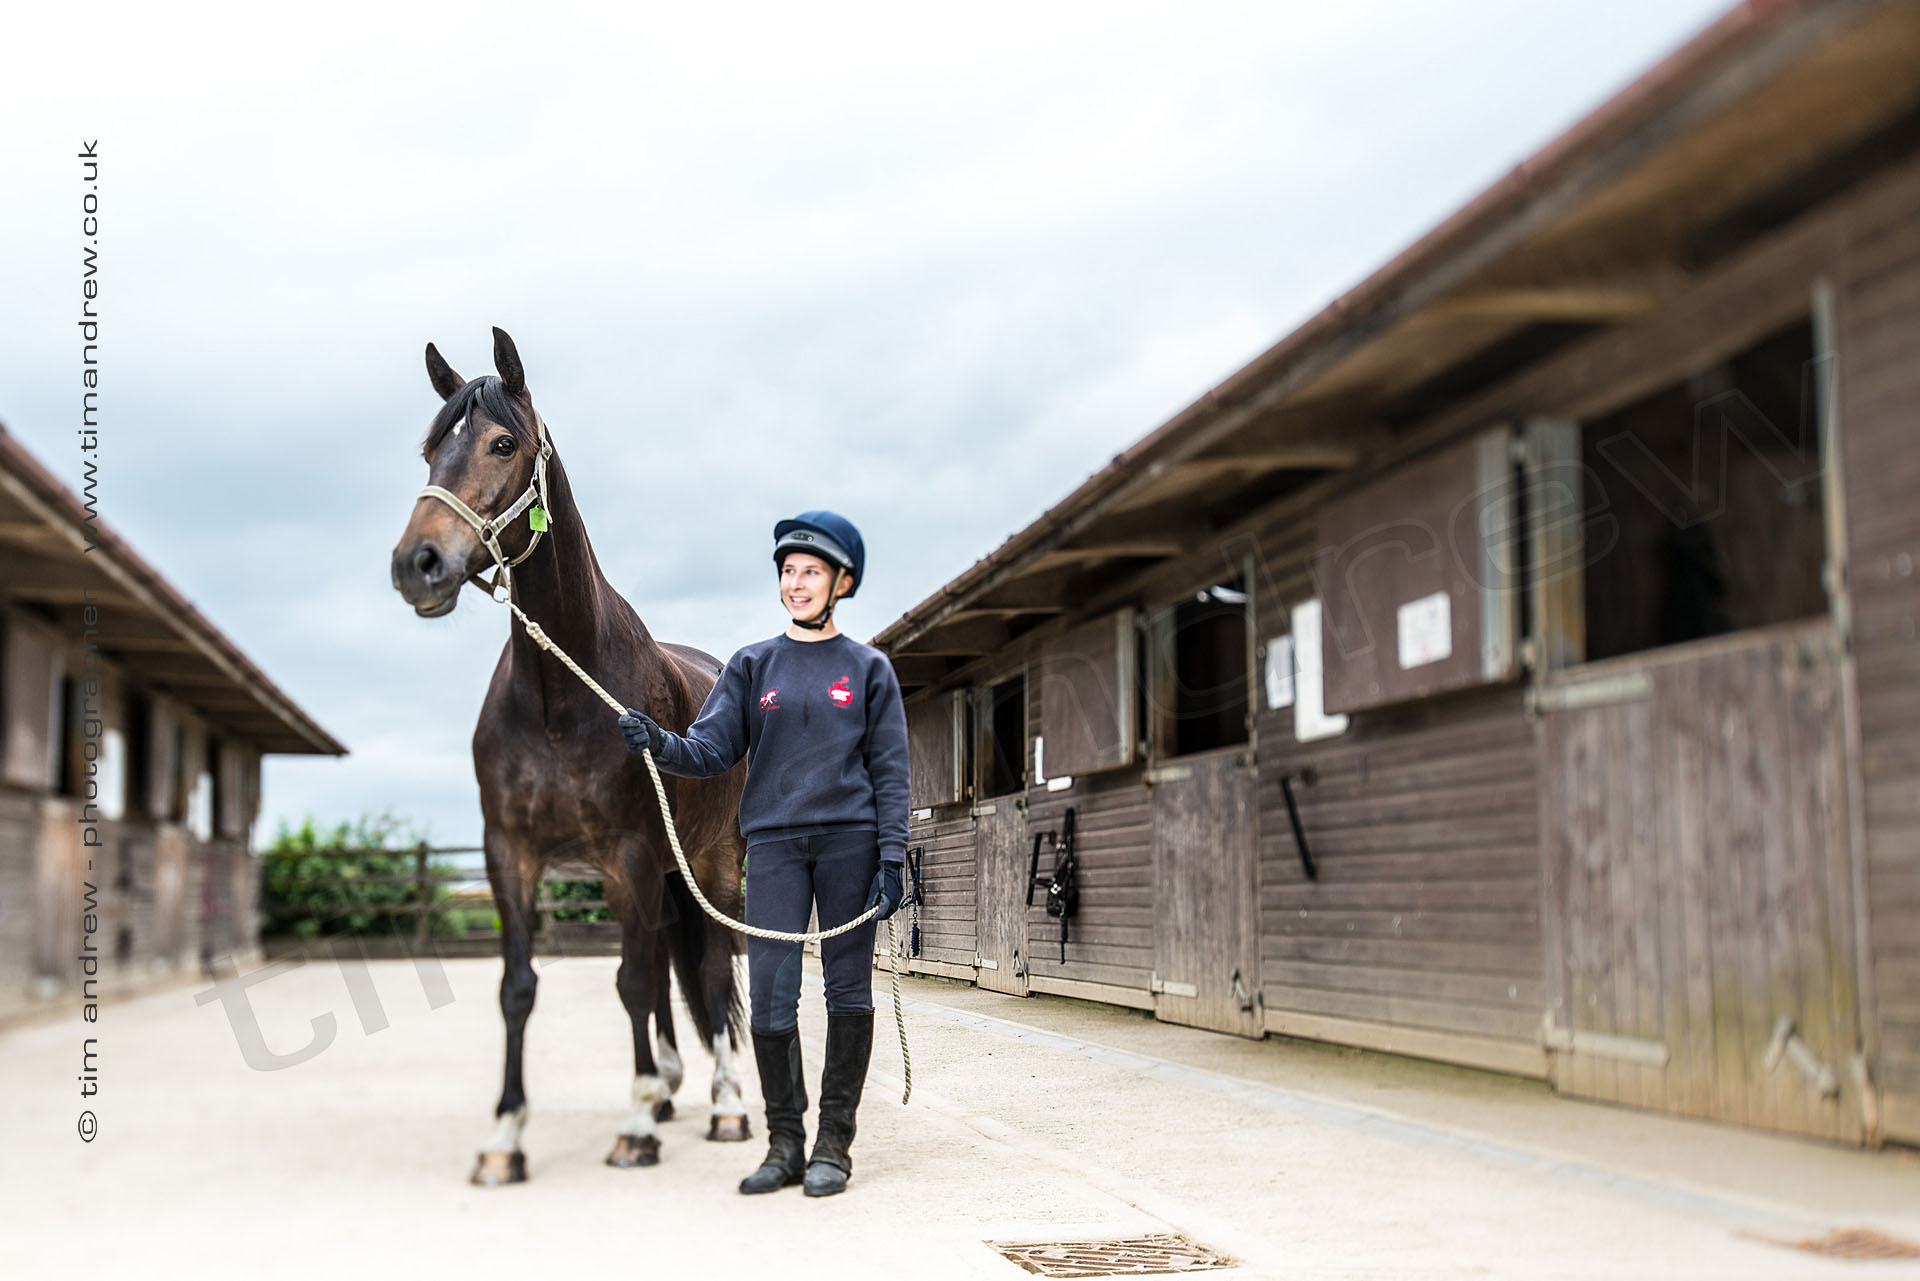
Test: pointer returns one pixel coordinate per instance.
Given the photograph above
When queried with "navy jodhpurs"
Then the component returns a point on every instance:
(785, 878)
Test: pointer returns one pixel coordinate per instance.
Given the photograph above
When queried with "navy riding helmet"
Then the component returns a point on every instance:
(832, 538)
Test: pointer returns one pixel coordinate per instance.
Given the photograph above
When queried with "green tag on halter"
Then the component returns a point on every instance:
(537, 518)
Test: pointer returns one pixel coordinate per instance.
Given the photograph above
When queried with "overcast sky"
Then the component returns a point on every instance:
(928, 267)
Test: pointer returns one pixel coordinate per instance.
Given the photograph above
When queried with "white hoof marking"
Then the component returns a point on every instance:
(506, 1131)
(647, 1091)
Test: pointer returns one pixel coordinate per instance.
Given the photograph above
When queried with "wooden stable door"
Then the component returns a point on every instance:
(999, 845)
(1206, 893)
(1699, 923)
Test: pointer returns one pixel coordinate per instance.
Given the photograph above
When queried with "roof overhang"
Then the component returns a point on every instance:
(1770, 107)
(57, 562)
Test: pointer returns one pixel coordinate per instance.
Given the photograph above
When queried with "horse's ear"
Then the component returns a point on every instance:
(445, 381)
(505, 359)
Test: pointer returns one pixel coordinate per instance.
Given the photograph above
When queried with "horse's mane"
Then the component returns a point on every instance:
(488, 395)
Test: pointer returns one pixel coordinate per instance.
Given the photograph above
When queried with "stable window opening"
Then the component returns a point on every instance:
(1209, 669)
(1704, 505)
(1006, 720)
(68, 739)
(179, 788)
(138, 797)
(219, 800)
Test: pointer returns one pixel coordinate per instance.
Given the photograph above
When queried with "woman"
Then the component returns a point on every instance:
(818, 716)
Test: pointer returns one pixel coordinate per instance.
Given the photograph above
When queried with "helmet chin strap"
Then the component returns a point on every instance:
(817, 624)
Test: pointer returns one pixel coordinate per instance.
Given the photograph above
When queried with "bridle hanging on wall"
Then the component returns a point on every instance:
(1063, 890)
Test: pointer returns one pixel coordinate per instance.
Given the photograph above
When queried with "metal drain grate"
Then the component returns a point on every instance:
(1130, 1257)
(1857, 1243)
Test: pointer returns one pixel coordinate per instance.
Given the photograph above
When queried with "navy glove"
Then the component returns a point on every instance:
(641, 733)
(885, 891)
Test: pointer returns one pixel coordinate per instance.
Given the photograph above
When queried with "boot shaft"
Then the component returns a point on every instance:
(783, 1081)
(849, 1050)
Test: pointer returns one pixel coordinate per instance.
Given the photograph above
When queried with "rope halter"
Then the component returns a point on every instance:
(534, 496)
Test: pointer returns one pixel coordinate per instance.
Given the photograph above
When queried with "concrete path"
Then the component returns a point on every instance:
(1031, 1120)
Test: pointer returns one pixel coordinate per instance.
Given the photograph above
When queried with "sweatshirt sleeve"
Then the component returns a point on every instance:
(718, 738)
(886, 756)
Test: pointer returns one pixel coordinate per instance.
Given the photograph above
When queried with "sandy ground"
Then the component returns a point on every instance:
(1031, 1120)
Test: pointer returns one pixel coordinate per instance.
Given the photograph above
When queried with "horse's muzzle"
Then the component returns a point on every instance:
(425, 578)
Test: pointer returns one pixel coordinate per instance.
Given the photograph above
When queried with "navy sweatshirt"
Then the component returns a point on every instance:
(824, 733)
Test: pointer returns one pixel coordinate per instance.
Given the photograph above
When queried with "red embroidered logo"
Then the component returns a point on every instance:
(840, 694)
(770, 701)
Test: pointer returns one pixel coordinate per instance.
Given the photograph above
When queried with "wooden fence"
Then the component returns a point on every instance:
(420, 909)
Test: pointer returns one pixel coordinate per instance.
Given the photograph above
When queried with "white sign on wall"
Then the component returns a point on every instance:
(1310, 719)
(200, 807)
(1280, 672)
(111, 776)
(1426, 630)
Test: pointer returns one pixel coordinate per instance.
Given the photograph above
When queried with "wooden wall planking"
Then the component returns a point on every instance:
(1422, 932)
(1111, 939)
(1876, 286)
(173, 890)
(19, 839)
(947, 871)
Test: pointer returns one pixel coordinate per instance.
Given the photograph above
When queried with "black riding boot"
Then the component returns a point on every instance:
(783, 1083)
(849, 1046)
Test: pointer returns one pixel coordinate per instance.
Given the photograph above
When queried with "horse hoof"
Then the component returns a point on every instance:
(663, 1110)
(498, 1168)
(630, 1150)
(729, 1129)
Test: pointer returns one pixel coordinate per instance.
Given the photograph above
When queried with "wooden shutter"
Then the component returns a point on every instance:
(933, 749)
(157, 800)
(29, 682)
(1418, 577)
(233, 763)
(1086, 697)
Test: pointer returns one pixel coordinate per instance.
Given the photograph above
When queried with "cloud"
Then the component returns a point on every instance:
(927, 266)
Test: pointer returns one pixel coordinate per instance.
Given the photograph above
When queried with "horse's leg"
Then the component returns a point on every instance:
(717, 989)
(729, 1124)
(514, 882)
(666, 1046)
(640, 984)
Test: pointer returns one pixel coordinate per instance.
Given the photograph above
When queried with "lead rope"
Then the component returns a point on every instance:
(540, 638)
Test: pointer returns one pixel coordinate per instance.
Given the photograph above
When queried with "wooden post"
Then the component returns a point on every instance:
(425, 891)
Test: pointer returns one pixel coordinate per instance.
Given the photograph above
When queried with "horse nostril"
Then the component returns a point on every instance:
(427, 561)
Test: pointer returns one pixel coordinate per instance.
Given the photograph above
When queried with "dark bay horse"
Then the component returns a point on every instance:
(556, 781)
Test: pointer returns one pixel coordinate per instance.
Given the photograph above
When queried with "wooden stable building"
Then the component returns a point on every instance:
(131, 733)
(1562, 578)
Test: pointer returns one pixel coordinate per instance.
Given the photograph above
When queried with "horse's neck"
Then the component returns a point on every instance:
(561, 588)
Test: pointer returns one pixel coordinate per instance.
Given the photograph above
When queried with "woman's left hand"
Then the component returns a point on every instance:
(641, 733)
(886, 890)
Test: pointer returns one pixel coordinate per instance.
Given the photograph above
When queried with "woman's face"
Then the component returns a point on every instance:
(805, 581)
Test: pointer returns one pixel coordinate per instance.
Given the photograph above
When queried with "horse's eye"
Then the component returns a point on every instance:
(503, 445)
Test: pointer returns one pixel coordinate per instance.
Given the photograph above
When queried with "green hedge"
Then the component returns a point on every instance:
(357, 878)
(571, 891)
